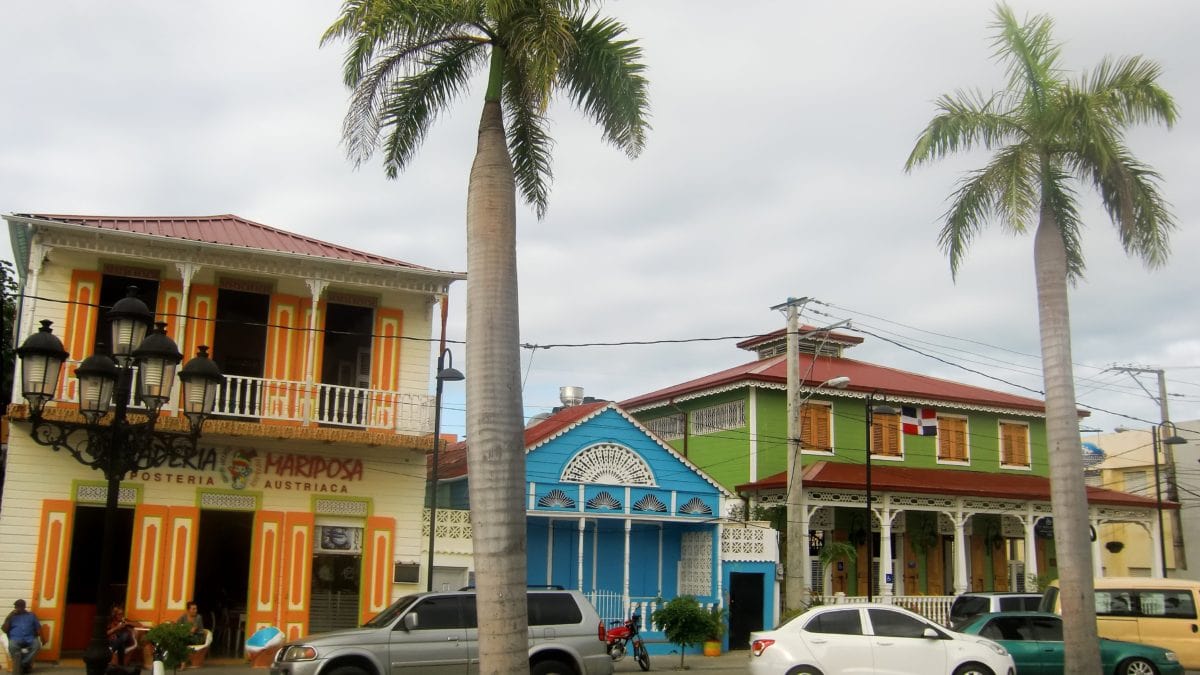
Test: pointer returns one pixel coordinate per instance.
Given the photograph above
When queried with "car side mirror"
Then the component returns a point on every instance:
(409, 622)
(931, 634)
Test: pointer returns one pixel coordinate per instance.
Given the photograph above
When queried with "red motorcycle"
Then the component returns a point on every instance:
(621, 634)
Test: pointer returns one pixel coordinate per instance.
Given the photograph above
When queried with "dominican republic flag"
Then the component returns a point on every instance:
(918, 421)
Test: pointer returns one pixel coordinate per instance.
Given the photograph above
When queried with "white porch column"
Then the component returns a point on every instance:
(595, 555)
(186, 272)
(1156, 545)
(315, 288)
(550, 552)
(961, 578)
(1031, 565)
(625, 578)
(1097, 560)
(805, 560)
(885, 548)
(660, 560)
(582, 530)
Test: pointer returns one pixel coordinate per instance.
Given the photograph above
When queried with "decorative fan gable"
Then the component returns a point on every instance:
(696, 507)
(608, 464)
(605, 501)
(556, 499)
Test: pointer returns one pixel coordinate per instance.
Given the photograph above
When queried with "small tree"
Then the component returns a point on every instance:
(684, 622)
(171, 644)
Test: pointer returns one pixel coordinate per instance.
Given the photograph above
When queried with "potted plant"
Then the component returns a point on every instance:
(684, 622)
(171, 644)
(716, 630)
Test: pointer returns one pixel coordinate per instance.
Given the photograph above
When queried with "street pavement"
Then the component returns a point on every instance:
(730, 663)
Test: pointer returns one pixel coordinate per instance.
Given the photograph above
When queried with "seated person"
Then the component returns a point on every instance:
(120, 633)
(192, 616)
(24, 637)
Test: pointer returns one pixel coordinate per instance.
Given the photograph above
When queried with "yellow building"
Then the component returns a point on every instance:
(1131, 549)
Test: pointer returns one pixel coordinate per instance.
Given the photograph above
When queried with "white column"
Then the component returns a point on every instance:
(720, 569)
(625, 577)
(660, 561)
(582, 530)
(961, 579)
(1097, 560)
(186, 272)
(315, 288)
(1031, 565)
(885, 548)
(550, 551)
(1156, 545)
(595, 555)
(805, 559)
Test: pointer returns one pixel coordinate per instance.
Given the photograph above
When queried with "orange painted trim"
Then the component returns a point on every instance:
(179, 564)
(201, 324)
(376, 585)
(170, 307)
(266, 557)
(296, 597)
(386, 348)
(143, 595)
(48, 599)
(82, 318)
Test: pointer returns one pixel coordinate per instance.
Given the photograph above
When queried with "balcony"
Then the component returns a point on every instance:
(289, 401)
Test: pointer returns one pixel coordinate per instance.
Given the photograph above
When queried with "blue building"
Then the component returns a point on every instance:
(617, 513)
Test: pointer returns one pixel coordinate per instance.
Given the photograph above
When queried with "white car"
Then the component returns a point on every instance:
(872, 638)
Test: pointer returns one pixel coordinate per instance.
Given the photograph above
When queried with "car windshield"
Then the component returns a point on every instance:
(387, 616)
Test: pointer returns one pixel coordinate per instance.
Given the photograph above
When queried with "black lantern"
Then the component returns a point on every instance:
(42, 356)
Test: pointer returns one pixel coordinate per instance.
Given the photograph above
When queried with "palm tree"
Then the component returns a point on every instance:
(1047, 132)
(406, 61)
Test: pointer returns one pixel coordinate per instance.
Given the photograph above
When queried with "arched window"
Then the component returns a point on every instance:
(608, 464)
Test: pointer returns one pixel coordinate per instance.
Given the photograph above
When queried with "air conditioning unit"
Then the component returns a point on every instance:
(1016, 575)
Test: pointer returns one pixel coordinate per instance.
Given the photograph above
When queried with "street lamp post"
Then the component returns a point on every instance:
(118, 445)
(872, 409)
(445, 373)
(1156, 434)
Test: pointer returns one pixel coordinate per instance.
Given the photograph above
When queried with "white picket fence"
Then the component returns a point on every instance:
(611, 607)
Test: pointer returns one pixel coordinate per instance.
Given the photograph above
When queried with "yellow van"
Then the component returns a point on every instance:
(1159, 612)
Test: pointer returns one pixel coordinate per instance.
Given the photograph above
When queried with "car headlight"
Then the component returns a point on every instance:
(298, 653)
(1171, 656)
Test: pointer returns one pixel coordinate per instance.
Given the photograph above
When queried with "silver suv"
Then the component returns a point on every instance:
(438, 633)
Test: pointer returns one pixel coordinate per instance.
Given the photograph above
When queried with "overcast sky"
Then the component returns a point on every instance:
(774, 169)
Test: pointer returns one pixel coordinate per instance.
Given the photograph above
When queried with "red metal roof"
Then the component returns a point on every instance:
(888, 478)
(227, 230)
(864, 377)
(452, 462)
(781, 334)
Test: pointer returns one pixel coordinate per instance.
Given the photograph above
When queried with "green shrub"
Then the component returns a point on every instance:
(171, 644)
(684, 622)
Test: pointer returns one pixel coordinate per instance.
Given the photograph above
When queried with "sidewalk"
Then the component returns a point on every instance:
(730, 663)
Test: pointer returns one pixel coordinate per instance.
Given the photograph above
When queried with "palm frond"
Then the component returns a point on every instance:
(1028, 52)
(529, 141)
(412, 103)
(1130, 193)
(1127, 89)
(965, 120)
(1059, 200)
(537, 38)
(604, 78)
(1004, 190)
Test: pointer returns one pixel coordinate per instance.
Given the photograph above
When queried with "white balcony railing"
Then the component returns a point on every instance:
(260, 398)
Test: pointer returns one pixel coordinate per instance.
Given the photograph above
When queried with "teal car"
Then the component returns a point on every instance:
(1035, 640)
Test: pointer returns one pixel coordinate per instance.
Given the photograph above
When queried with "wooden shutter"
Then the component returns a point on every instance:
(1014, 444)
(952, 439)
(385, 349)
(179, 561)
(885, 435)
(266, 560)
(202, 314)
(144, 595)
(815, 426)
(79, 332)
(49, 598)
(170, 307)
(377, 566)
(296, 585)
(284, 361)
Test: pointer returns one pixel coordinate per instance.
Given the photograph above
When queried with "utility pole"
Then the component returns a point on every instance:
(798, 572)
(1168, 459)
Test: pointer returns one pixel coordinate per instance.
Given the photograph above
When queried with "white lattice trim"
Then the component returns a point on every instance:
(226, 501)
(608, 464)
(98, 494)
(695, 564)
(357, 508)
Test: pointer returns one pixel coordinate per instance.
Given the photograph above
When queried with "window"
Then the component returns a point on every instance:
(1047, 628)
(1014, 444)
(952, 439)
(1136, 482)
(815, 426)
(1007, 628)
(885, 435)
(720, 417)
(840, 622)
(441, 612)
(549, 609)
(888, 623)
(668, 428)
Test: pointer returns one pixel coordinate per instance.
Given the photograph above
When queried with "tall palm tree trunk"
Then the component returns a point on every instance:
(496, 452)
(1068, 496)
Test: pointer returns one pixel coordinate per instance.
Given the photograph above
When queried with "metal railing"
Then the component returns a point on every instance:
(933, 607)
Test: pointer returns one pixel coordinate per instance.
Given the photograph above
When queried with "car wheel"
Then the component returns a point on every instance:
(973, 669)
(1136, 666)
(551, 667)
(805, 670)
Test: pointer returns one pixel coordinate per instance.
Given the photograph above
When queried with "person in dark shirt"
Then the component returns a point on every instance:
(24, 637)
(192, 618)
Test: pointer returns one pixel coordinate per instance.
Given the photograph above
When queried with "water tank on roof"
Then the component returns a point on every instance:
(570, 395)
